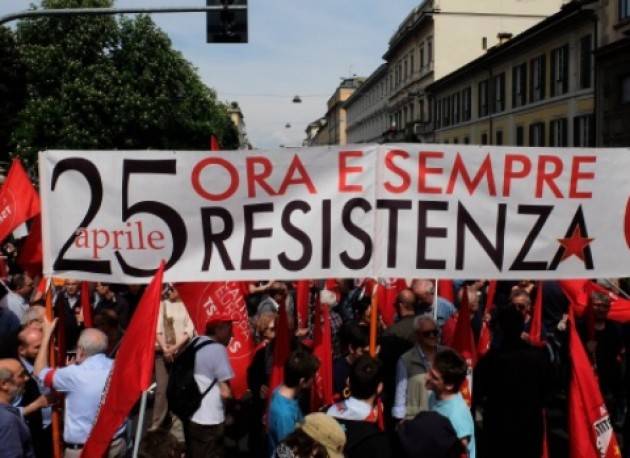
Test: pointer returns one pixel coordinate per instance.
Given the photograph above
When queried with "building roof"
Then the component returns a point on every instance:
(569, 12)
(414, 20)
(367, 84)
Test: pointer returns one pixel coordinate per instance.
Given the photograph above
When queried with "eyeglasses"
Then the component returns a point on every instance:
(430, 333)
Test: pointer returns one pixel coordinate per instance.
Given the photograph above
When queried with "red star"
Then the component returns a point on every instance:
(575, 244)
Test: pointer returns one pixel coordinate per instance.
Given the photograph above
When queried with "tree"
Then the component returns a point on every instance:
(103, 83)
(12, 89)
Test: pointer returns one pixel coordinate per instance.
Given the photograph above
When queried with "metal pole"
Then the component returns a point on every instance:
(111, 11)
(435, 299)
(139, 428)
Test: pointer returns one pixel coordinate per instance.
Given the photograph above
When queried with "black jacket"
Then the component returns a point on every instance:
(364, 440)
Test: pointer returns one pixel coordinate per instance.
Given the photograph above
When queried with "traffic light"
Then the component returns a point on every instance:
(226, 25)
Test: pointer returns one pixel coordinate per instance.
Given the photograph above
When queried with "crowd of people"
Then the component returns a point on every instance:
(409, 394)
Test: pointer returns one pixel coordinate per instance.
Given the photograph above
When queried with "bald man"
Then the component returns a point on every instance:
(83, 384)
(14, 434)
(34, 403)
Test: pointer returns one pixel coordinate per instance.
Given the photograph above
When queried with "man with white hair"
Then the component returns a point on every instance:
(14, 434)
(412, 396)
(83, 384)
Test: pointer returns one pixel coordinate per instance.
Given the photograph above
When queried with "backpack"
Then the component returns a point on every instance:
(183, 393)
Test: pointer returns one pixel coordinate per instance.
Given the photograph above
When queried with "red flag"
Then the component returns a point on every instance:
(446, 290)
(86, 306)
(281, 349)
(322, 392)
(485, 336)
(132, 372)
(19, 200)
(204, 300)
(545, 445)
(30, 256)
(464, 343)
(535, 329)
(590, 429)
(578, 291)
(387, 294)
(214, 143)
(302, 296)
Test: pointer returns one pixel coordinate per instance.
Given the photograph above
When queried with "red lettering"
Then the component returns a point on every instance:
(423, 171)
(199, 189)
(404, 176)
(577, 175)
(116, 235)
(548, 177)
(155, 236)
(99, 246)
(459, 168)
(509, 173)
(296, 168)
(82, 239)
(345, 170)
(254, 178)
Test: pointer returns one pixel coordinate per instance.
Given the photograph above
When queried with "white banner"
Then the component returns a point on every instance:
(396, 210)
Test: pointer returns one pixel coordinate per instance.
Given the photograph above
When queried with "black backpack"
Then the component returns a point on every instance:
(182, 392)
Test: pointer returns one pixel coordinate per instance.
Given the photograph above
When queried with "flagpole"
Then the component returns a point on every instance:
(616, 288)
(435, 300)
(374, 320)
(143, 409)
(55, 416)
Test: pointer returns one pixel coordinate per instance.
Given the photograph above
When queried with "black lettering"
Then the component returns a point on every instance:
(393, 206)
(543, 212)
(357, 232)
(466, 221)
(251, 233)
(326, 233)
(217, 239)
(425, 232)
(297, 234)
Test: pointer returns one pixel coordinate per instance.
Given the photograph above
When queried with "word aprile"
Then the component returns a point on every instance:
(133, 237)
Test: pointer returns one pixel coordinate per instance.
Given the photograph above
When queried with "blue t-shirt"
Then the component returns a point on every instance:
(284, 414)
(458, 413)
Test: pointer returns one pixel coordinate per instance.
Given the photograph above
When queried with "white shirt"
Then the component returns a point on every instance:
(17, 304)
(211, 362)
(83, 385)
(350, 409)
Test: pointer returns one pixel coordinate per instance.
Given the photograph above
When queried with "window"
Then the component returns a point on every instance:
(412, 63)
(466, 140)
(625, 89)
(583, 131)
(484, 139)
(422, 56)
(520, 136)
(421, 114)
(455, 141)
(466, 101)
(559, 83)
(438, 113)
(499, 138)
(429, 51)
(537, 79)
(624, 9)
(586, 61)
(537, 134)
(558, 132)
(519, 85)
(499, 93)
(406, 69)
(483, 98)
(456, 108)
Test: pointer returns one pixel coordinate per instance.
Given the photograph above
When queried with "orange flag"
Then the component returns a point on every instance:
(132, 372)
(19, 200)
(591, 433)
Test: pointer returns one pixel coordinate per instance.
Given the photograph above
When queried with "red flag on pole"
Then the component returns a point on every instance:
(387, 294)
(214, 143)
(132, 372)
(464, 343)
(204, 300)
(30, 256)
(281, 349)
(535, 329)
(302, 296)
(578, 291)
(19, 200)
(485, 336)
(86, 306)
(446, 290)
(322, 392)
(590, 429)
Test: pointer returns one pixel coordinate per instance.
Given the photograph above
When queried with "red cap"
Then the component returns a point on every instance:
(219, 318)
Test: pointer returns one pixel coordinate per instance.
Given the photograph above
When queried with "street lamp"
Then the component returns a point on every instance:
(297, 99)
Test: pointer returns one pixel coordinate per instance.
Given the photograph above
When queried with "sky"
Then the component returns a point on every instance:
(296, 47)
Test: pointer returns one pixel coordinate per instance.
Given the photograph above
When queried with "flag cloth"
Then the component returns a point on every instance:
(578, 291)
(322, 392)
(485, 335)
(281, 349)
(591, 433)
(30, 256)
(214, 143)
(132, 372)
(535, 329)
(19, 200)
(446, 290)
(86, 306)
(203, 300)
(464, 343)
(302, 296)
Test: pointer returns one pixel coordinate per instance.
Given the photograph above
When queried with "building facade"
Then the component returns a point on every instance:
(613, 73)
(366, 109)
(537, 89)
(238, 119)
(439, 37)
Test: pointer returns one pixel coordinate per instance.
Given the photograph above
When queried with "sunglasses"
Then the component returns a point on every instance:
(430, 333)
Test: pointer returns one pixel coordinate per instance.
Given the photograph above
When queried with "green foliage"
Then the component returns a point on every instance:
(105, 83)
(12, 88)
